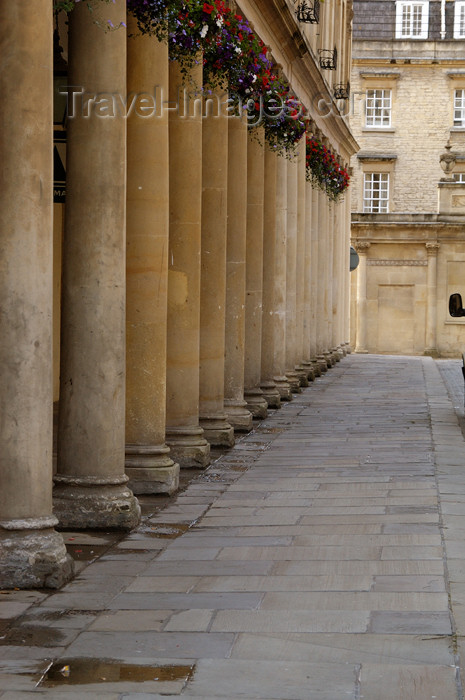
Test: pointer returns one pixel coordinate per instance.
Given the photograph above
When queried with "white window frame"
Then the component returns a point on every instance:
(376, 184)
(378, 107)
(459, 177)
(459, 19)
(408, 24)
(459, 107)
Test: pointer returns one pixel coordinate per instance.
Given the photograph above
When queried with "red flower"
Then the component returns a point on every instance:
(208, 9)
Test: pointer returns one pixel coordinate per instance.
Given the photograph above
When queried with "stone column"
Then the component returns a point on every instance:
(431, 303)
(347, 272)
(279, 319)
(268, 386)
(291, 274)
(337, 284)
(253, 394)
(331, 271)
(314, 279)
(362, 249)
(323, 253)
(91, 490)
(32, 553)
(148, 463)
(213, 418)
(235, 406)
(184, 435)
(302, 352)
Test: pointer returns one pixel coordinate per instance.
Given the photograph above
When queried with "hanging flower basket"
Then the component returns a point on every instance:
(233, 57)
(323, 169)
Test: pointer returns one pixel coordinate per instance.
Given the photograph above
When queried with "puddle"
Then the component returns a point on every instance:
(86, 552)
(29, 636)
(167, 531)
(85, 671)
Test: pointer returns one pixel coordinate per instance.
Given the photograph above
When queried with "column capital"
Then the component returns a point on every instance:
(432, 249)
(362, 246)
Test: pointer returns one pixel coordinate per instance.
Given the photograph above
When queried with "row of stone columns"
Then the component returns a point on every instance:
(202, 280)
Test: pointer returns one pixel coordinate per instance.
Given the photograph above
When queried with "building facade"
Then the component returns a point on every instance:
(408, 91)
(165, 275)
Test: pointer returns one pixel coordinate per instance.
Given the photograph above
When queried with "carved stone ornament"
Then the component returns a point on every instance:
(432, 248)
(362, 246)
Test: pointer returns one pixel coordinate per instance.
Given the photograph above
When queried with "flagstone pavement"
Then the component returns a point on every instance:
(322, 558)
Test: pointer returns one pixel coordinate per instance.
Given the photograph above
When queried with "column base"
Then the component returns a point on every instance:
(309, 369)
(348, 348)
(302, 373)
(336, 354)
(238, 415)
(271, 394)
(217, 430)
(282, 385)
(316, 367)
(256, 403)
(33, 554)
(93, 503)
(361, 351)
(151, 470)
(330, 361)
(188, 447)
(322, 363)
(293, 381)
(431, 352)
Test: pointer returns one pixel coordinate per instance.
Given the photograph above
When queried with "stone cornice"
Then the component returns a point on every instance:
(376, 156)
(380, 74)
(282, 29)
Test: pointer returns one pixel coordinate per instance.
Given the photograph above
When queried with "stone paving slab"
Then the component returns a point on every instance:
(309, 561)
(356, 649)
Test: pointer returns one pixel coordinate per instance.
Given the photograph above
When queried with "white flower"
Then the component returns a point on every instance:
(237, 49)
(204, 31)
(219, 21)
(254, 78)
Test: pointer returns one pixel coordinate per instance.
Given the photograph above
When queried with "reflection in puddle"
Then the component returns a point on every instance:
(85, 671)
(167, 531)
(86, 552)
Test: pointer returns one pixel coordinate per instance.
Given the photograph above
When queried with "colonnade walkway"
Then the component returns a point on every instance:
(322, 558)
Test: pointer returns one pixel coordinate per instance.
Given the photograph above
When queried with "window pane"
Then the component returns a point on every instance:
(412, 20)
(375, 193)
(378, 108)
(416, 20)
(459, 108)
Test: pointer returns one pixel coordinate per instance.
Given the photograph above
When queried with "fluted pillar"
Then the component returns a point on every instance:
(184, 435)
(361, 342)
(330, 281)
(268, 386)
(337, 284)
(323, 263)
(32, 553)
(148, 462)
(302, 351)
(253, 394)
(291, 275)
(313, 224)
(347, 222)
(432, 250)
(235, 405)
(91, 486)
(279, 318)
(213, 418)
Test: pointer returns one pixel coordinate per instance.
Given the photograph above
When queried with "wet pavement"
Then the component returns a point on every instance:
(322, 558)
